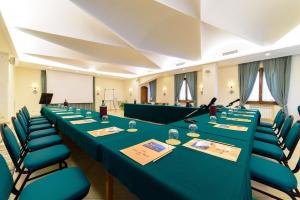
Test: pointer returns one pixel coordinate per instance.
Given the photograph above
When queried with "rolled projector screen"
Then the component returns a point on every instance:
(75, 88)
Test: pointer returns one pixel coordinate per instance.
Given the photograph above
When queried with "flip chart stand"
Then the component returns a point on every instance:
(109, 97)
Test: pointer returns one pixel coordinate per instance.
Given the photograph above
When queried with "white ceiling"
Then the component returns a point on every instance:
(132, 38)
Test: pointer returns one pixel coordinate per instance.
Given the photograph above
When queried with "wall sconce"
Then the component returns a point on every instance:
(34, 88)
(130, 91)
(164, 91)
(97, 91)
(230, 86)
(201, 89)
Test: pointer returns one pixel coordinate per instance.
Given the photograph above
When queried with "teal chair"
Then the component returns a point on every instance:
(29, 144)
(36, 123)
(33, 121)
(274, 175)
(35, 132)
(276, 152)
(277, 125)
(273, 139)
(33, 161)
(271, 125)
(299, 109)
(32, 118)
(68, 183)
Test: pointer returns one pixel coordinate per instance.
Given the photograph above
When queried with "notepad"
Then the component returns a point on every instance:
(83, 121)
(231, 127)
(221, 150)
(238, 119)
(64, 113)
(148, 151)
(243, 115)
(71, 116)
(105, 131)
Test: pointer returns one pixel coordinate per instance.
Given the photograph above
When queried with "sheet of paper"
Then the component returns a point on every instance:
(243, 115)
(220, 150)
(83, 121)
(231, 127)
(238, 119)
(64, 113)
(147, 151)
(105, 131)
(71, 116)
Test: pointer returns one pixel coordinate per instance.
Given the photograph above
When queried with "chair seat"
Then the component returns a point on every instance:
(37, 117)
(46, 157)
(272, 174)
(43, 142)
(38, 122)
(265, 130)
(42, 133)
(68, 183)
(39, 127)
(272, 139)
(266, 124)
(268, 150)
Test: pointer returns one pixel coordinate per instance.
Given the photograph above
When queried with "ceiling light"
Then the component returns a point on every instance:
(267, 54)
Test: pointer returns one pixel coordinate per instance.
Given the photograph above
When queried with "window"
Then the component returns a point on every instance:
(185, 94)
(260, 92)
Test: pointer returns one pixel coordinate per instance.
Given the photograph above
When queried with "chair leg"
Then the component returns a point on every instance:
(66, 164)
(60, 165)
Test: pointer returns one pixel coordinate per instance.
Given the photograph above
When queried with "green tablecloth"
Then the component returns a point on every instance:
(158, 113)
(183, 174)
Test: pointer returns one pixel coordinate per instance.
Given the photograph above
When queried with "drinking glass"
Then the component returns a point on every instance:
(88, 114)
(193, 128)
(213, 119)
(104, 119)
(173, 134)
(223, 115)
(132, 124)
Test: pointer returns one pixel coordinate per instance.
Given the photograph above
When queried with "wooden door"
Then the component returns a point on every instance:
(144, 94)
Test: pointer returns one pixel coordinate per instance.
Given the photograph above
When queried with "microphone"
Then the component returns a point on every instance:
(231, 103)
(202, 107)
(212, 101)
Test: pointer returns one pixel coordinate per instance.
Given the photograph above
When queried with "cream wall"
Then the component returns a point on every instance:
(228, 76)
(105, 83)
(25, 78)
(168, 83)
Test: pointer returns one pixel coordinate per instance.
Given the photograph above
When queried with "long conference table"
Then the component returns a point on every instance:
(182, 174)
(163, 114)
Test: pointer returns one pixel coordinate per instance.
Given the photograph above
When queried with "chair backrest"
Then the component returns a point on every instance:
(280, 121)
(292, 138)
(299, 109)
(11, 144)
(277, 116)
(22, 122)
(25, 114)
(26, 111)
(6, 183)
(286, 127)
(19, 131)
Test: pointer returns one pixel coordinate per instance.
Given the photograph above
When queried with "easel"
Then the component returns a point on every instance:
(112, 101)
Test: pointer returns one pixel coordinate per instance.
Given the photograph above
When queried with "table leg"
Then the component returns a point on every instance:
(108, 186)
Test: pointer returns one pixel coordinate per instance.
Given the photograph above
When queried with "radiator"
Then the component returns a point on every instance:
(267, 111)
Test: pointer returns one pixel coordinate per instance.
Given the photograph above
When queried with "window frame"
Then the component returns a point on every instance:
(260, 95)
(186, 100)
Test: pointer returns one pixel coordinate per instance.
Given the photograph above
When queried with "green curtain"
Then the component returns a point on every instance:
(43, 81)
(277, 71)
(247, 77)
(191, 79)
(178, 80)
(152, 88)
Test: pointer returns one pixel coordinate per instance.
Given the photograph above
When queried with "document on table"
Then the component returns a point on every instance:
(64, 113)
(71, 116)
(243, 115)
(218, 149)
(83, 121)
(238, 119)
(105, 131)
(231, 127)
(148, 151)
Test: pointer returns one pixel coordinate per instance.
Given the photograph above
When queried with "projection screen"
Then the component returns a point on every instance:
(75, 88)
